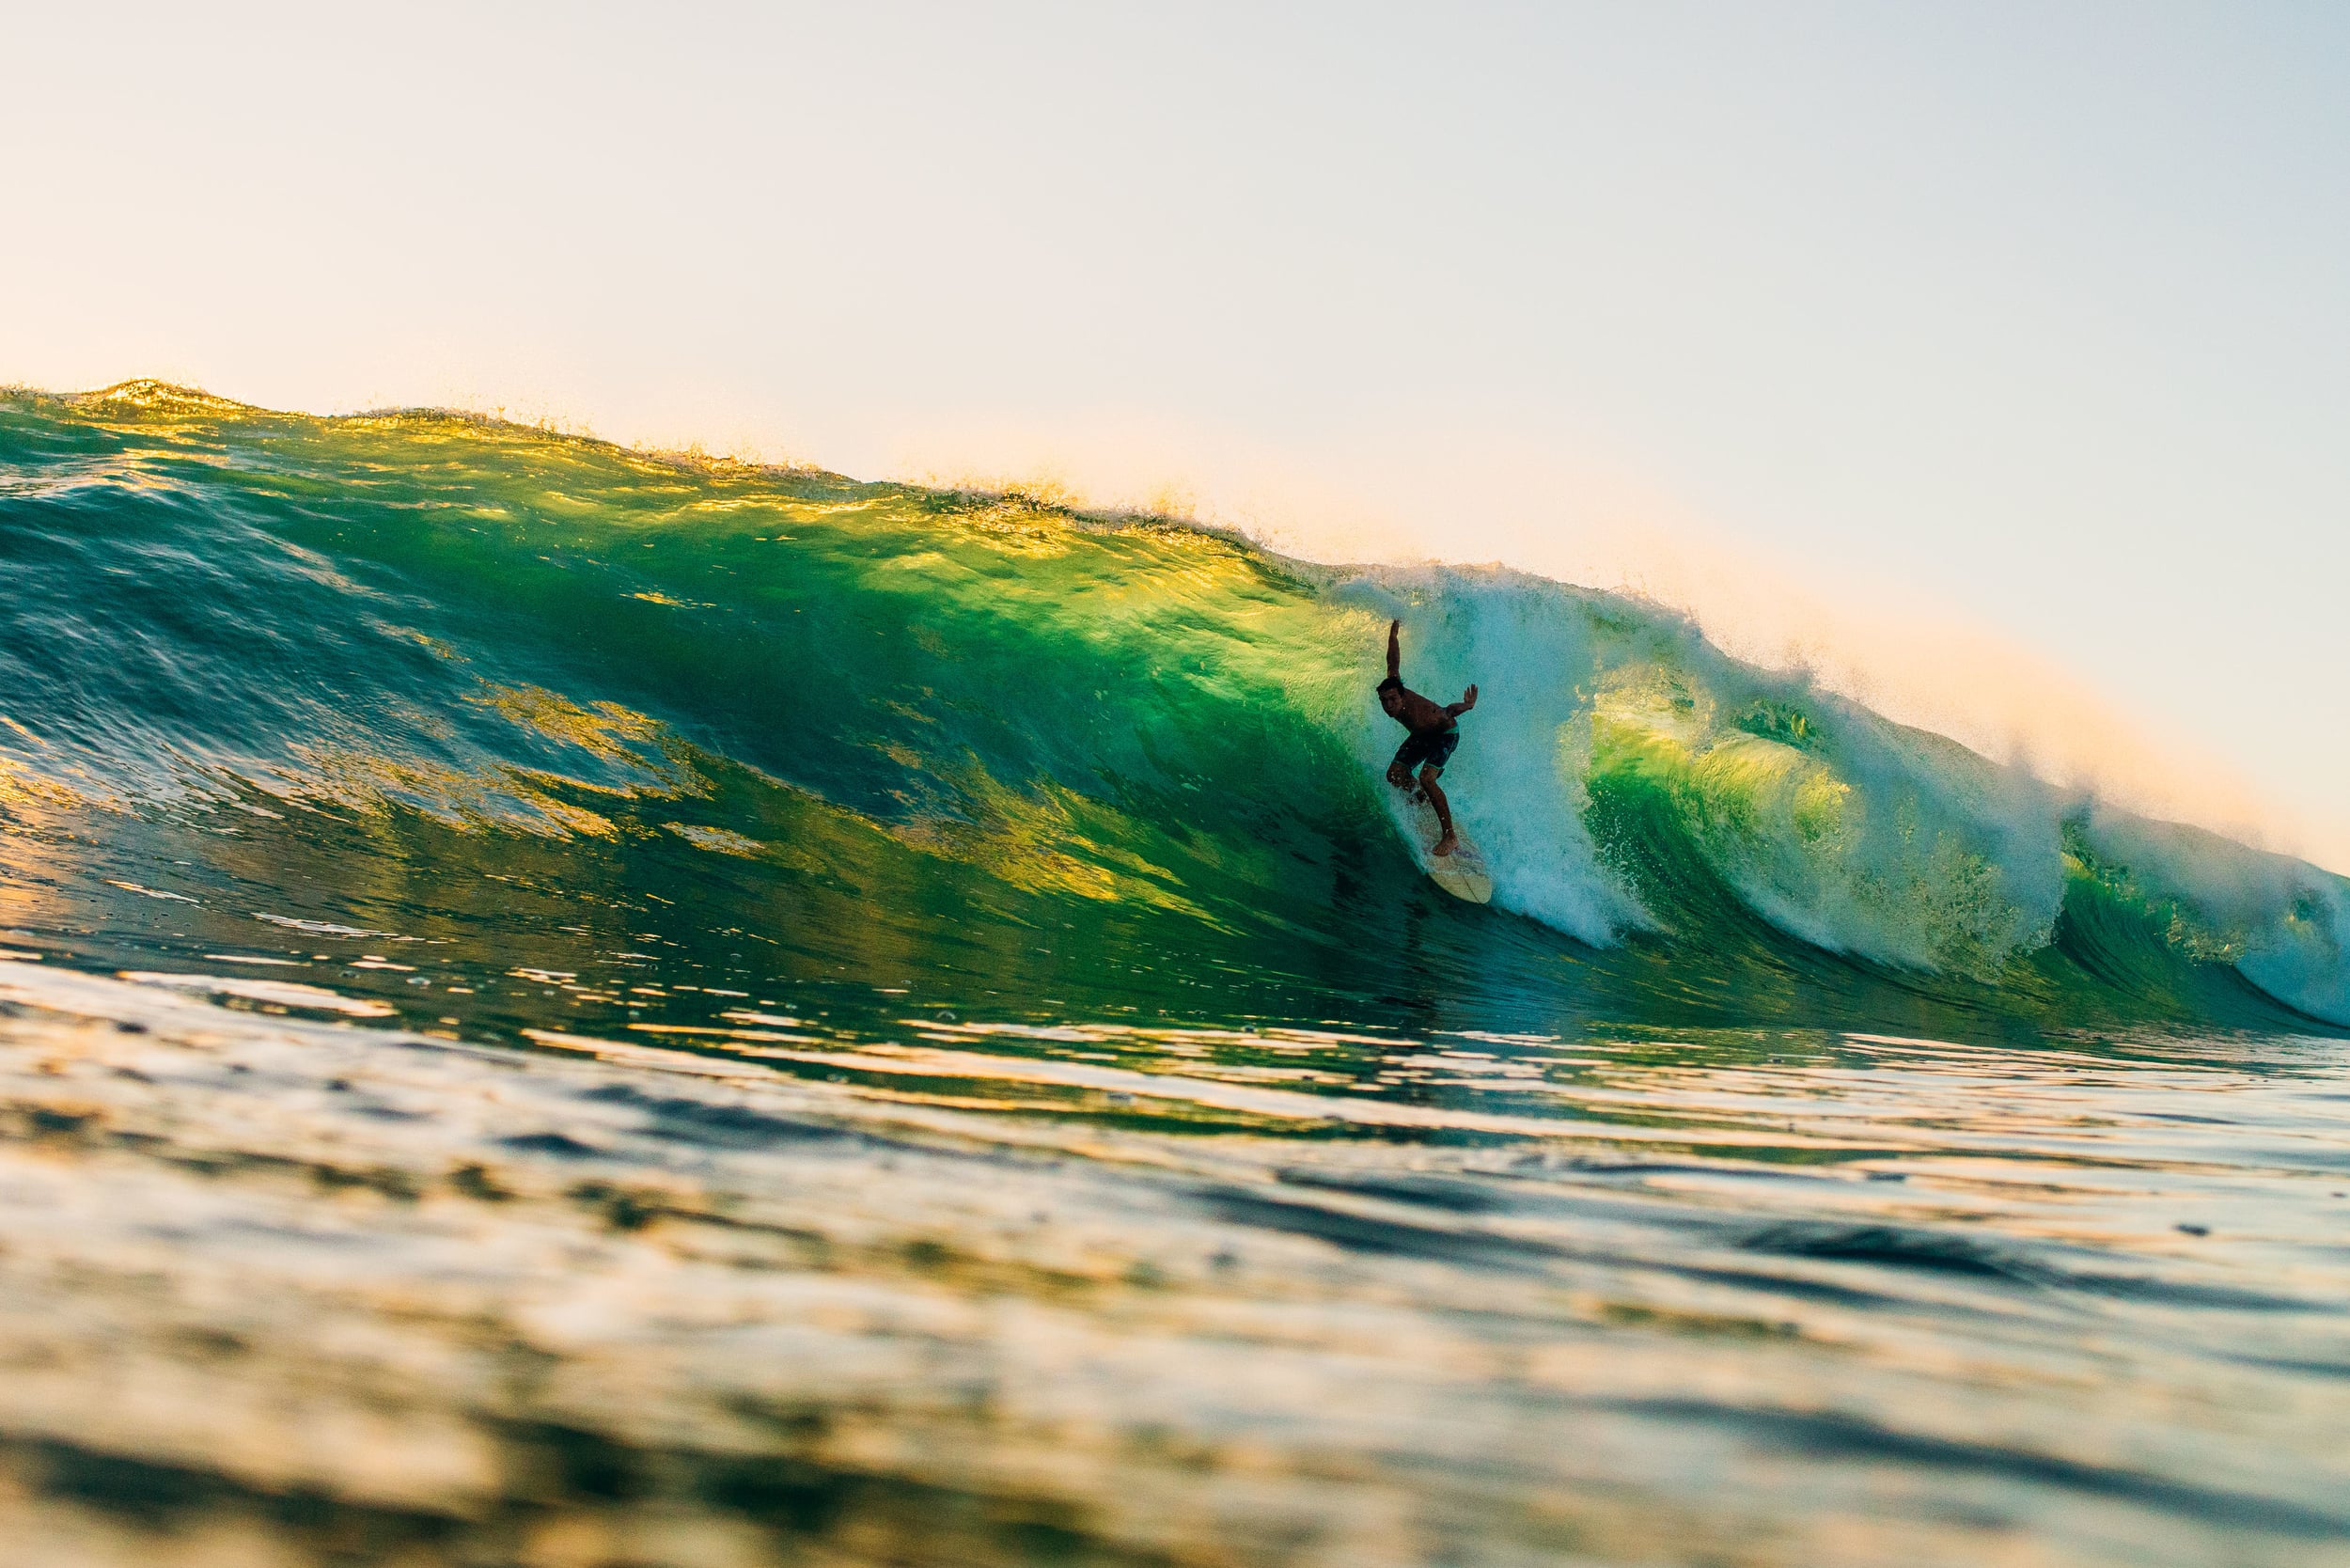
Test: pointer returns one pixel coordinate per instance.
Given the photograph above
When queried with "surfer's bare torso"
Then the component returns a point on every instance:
(1435, 732)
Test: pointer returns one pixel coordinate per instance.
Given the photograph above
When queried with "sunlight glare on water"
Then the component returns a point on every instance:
(1762, 1300)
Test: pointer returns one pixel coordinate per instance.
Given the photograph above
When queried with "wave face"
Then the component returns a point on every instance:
(517, 695)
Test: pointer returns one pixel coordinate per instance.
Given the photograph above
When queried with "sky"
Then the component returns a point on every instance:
(1994, 359)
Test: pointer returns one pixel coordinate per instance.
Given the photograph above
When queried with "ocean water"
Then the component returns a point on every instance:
(565, 1007)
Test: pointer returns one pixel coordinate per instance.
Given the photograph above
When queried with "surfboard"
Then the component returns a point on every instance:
(1463, 873)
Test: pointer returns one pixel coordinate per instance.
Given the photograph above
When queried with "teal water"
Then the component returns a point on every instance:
(1891, 1156)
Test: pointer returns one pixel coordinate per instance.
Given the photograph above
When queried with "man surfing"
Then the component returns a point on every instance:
(1435, 732)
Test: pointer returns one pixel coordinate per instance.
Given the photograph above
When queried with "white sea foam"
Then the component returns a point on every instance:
(1842, 829)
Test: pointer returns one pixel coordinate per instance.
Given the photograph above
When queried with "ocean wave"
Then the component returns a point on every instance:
(388, 670)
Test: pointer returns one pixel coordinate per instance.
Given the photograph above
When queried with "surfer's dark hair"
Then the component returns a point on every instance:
(1395, 680)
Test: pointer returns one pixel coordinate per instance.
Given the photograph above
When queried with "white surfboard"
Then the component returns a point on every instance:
(1462, 873)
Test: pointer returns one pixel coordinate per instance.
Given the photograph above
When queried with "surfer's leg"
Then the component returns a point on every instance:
(1450, 840)
(1400, 770)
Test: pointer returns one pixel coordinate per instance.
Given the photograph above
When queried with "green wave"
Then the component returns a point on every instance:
(519, 694)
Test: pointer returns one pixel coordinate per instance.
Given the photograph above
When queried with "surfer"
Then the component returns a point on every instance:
(1435, 732)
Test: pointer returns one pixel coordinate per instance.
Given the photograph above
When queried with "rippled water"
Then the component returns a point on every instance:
(988, 1293)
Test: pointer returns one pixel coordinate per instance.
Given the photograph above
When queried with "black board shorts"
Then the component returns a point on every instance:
(1427, 749)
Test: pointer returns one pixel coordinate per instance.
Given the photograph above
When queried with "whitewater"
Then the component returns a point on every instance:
(567, 1005)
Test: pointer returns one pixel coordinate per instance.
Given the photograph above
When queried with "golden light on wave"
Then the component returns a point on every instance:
(1582, 519)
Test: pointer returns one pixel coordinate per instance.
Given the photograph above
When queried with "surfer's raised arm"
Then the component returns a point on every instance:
(1395, 651)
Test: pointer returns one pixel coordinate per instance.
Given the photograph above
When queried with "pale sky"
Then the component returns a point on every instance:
(1839, 322)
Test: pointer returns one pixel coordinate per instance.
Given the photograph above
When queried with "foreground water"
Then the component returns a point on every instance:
(569, 1009)
(278, 1292)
